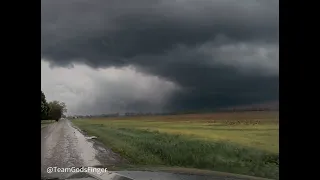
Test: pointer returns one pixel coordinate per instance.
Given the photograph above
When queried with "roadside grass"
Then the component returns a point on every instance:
(244, 147)
(45, 123)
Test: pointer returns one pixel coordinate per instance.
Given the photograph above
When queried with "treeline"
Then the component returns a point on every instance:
(268, 106)
(127, 115)
(52, 110)
(118, 115)
(174, 113)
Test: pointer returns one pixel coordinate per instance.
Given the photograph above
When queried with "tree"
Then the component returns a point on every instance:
(44, 107)
(57, 110)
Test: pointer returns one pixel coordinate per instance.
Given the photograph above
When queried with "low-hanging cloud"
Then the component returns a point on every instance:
(88, 91)
(218, 52)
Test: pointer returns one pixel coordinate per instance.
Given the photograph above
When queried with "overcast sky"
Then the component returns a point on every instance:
(104, 56)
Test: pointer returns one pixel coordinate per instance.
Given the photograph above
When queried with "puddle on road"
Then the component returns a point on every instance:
(86, 149)
(65, 146)
(91, 137)
(104, 155)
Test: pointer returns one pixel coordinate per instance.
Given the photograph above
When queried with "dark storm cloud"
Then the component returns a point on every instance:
(222, 52)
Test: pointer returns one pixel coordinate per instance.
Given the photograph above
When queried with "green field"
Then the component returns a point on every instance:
(243, 143)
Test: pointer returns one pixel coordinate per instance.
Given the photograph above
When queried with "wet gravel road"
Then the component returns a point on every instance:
(63, 145)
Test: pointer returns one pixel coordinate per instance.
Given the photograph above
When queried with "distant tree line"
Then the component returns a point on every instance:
(52, 110)
(121, 115)
(255, 107)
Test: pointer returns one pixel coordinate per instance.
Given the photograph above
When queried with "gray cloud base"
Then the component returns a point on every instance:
(221, 53)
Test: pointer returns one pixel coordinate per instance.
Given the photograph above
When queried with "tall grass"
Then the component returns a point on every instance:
(45, 123)
(149, 147)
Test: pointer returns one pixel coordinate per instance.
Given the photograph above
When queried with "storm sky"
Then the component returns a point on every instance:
(105, 56)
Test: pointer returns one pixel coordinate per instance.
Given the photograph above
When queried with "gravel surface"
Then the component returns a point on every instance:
(63, 146)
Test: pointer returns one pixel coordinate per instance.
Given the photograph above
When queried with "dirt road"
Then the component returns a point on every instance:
(63, 145)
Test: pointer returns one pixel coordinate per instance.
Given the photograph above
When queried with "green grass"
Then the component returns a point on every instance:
(249, 146)
(45, 123)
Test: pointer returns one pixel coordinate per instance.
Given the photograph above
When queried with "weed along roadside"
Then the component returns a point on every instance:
(45, 123)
